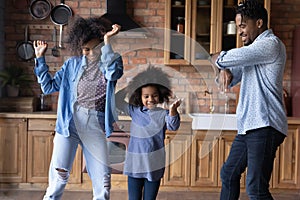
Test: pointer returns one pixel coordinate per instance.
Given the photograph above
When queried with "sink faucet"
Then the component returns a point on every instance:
(211, 105)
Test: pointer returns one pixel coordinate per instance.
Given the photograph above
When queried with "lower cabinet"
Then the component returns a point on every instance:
(204, 159)
(39, 151)
(177, 171)
(178, 156)
(210, 149)
(13, 144)
(193, 158)
(286, 173)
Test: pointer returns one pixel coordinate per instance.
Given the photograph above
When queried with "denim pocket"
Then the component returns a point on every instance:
(101, 120)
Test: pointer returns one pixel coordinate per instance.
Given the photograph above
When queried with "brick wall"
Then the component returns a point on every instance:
(1, 36)
(138, 53)
(285, 16)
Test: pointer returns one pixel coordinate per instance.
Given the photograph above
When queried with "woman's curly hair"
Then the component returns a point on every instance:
(252, 9)
(82, 30)
(152, 76)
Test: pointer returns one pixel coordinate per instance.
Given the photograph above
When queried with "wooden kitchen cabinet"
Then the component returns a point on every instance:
(210, 149)
(13, 144)
(204, 159)
(205, 30)
(177, 172)
(286, 172)
(225, 142)
(177, 147)
(194, 158)
(40, 146)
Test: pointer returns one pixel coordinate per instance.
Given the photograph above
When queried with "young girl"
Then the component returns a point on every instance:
(145, 158)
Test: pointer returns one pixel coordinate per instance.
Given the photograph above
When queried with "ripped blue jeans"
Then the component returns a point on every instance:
(85, 130)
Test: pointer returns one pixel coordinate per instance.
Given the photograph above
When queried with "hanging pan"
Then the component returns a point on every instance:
(40, 9)
(60, 15)
(25, 48)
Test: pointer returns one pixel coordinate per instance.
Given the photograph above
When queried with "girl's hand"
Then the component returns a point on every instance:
(40, 48)
(173, 107)
(115, 30)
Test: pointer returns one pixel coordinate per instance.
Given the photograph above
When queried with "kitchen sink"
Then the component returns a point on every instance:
(215, 121)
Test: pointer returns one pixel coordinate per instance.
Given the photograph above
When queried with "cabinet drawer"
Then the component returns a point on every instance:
(41, 124)
(184, 129)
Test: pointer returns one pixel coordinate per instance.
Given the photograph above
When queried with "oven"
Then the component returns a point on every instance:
(117, 145)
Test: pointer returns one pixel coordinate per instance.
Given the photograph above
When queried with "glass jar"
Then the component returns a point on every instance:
(180, 24)
(231, 28)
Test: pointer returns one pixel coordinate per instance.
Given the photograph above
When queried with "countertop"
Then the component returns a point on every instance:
(52, 115)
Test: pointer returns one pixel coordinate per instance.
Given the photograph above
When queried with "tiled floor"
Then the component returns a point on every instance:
(122, 195)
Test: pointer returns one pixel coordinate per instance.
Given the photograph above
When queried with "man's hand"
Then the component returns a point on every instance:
(224, 79)
(213, 59)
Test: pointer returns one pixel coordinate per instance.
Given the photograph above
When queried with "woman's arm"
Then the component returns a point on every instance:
(41, 69)
(111, 62)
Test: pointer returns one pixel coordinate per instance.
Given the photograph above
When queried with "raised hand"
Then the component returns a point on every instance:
(40, 48)
(173, 107)
(115, 30)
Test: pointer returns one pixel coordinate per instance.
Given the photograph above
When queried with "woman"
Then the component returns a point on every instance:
(86, 84)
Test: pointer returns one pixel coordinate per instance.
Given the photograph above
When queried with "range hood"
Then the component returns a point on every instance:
(116, 12)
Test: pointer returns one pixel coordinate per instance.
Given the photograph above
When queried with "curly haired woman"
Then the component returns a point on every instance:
(86, 85)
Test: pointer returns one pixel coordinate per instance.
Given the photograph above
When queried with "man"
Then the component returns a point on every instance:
(262, 124)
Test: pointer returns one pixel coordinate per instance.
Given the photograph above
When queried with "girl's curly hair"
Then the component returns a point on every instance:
(152, 76)
(83, 30)
(252, 9)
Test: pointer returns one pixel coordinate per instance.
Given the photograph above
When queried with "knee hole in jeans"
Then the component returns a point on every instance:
(106, 181)
(63, 174)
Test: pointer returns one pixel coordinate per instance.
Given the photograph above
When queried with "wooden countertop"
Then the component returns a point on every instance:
(52, 115)
(38, 114)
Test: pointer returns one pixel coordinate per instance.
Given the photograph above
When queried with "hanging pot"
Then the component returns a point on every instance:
(25, 48)
(40, 9)
(60, 15)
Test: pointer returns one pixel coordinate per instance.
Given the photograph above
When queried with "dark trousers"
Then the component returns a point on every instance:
(141, 187)
(256, 150)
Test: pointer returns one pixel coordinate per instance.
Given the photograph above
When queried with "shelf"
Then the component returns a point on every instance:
(204, 6)
(204, 24)
(178, 6)
(203, 35)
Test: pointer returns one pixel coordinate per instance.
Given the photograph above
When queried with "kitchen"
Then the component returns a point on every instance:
(187, 82)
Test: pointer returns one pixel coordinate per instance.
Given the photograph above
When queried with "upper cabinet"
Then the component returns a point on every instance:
(196, 28)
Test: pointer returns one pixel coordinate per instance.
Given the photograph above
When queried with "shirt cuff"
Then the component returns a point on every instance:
(107, 49)
(40, 60)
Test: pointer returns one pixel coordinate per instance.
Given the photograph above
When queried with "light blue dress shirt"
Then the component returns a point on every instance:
(259, 68)
(65, 82)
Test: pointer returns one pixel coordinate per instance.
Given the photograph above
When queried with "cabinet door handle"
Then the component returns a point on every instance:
(52, 133)
(121, 126)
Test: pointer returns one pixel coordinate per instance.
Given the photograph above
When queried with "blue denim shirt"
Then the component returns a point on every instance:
(65, 82)
(259, 68)
(145, 157)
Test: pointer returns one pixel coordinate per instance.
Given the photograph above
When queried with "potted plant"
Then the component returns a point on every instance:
(12, 77)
